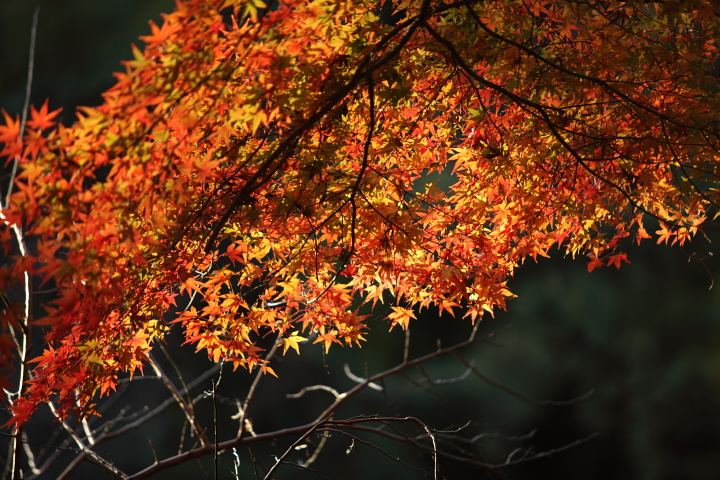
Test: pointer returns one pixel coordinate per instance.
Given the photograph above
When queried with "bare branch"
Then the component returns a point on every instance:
(357, 379)
(251, 392)
(152, 447)
(406, 350)
(508, 438)
(316, 453)
(312, 426)
(313, 388)
(521, 395)
(424, 388)
(290, 449)
(29, 455)
(215, 439)
(185, 405)
(176, 368)
(91, 453)
(372, 445)
(26, 105)
(527, 456)
(447, 381)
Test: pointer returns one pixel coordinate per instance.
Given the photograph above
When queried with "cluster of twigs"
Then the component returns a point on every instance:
(452, 444)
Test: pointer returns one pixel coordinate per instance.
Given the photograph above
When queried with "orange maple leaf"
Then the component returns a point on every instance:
(401, 316)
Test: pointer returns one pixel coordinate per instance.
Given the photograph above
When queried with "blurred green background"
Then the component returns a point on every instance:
(645, 338)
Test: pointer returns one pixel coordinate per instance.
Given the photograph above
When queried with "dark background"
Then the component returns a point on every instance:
(645, 338)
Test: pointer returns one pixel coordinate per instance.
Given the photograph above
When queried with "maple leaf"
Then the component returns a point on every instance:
(250, 7)
(617, 260)
(594, 263)
(375, 293)
(9, 138)
(665, 234)
(400, 316)
(42, 119)
(9, 132)
(327, 338)
(266, 369)
(160, 34)
(447, 305)
(293, 342)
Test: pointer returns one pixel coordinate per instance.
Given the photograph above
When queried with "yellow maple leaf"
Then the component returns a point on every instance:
(292, 342)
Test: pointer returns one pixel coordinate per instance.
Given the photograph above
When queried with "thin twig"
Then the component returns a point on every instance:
(406, 350)
(29, 455)
(372, 445)
(152, 447)
(313, 388)
(186, 406)
(519, 394)
(357, 379)
(426, 389)
(26, 105)
(509, 461)
(254, 462)
(182, 437)
(15, 449)
(215, 441)
(316, 453)
(432, 437)
(176, 368)
(253, 387)
(309, 470)
(72, 466)
(91, 453)
(290, 449)
(446, 381)
(52, 457)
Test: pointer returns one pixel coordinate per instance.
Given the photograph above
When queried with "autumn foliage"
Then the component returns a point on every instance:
(262, 171)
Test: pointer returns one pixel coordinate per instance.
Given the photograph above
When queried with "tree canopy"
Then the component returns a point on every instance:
(262, 171)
